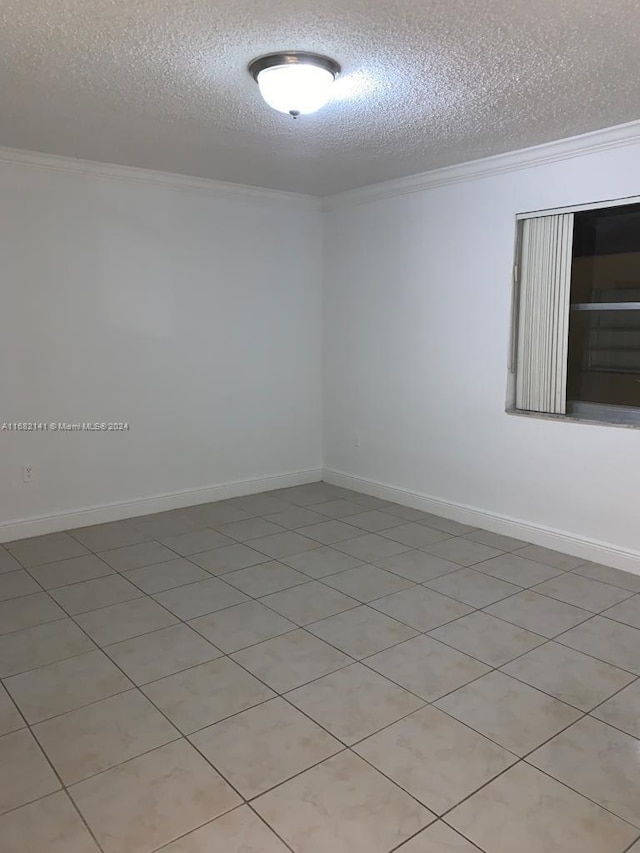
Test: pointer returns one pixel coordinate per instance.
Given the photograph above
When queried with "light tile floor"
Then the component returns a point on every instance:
(318, 671)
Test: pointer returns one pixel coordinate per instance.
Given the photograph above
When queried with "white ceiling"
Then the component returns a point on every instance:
(162, 84)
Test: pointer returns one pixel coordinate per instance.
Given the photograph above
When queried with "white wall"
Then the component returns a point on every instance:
(417, 314)
(192, 314)
(196, 316)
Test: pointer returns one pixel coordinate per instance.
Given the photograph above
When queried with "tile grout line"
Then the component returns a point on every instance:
(359, 603)
(63, 787)
(299, 627)
(425, 633)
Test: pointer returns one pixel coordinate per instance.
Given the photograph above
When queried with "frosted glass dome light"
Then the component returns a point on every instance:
(296, 83)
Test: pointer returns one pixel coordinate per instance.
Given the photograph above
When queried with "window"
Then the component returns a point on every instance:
(577, 314)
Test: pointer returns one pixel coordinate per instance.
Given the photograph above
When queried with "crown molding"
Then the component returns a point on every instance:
(131, 174)
(540, 155)
(596, 141)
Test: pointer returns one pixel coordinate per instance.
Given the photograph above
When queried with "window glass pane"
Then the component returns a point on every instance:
(604, 325)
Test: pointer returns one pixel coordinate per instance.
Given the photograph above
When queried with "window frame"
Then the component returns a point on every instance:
(577, 411)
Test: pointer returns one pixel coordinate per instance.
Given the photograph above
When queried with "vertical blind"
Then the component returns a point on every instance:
(543, 314)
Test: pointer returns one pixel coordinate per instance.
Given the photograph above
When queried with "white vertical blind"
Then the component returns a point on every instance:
(543, 317)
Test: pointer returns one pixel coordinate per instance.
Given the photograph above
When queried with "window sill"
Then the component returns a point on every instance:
(577, 418)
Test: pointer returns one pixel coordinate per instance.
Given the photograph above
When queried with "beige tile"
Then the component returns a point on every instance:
(264, 746)
(114, 534)
(65, 685)
(455, 528)
(365, 583)
(361, 632)
(462, 551)
(10, 719)
(135, 556)
(91, 595)
(196, 599)
(426, 667)
(49, 825)
(371, 548)
(624, 580)
(291, 660)
(168, 575)
(160, 653)
(309, 602)
(244, 625)
(416, 535)
(407, 513)
(7, 562)
(91, 739)
(309, 493)
(238, 831)
(434, 758)
(582, 592)
(228, 559)
(354, 702)
(169, 523)
(343, 493)
(28, 611)
(251, 528)
(489, 639)
(628, 612)
(321, 562)
(25, 773)
(421, 608)
(438, 838)
(260, 504)
(153, 799)
(45, 549)
(495, 540)
(606, 640)
(524, 810)
(15, 584)
(123, 621)
(568, 675)
(539, 614)
(555, 559)
(338, 508)
(283, 544)
(508, 712)
(296, 517)
(75, 570)
(265, 578)
(368, 501)
(417, 566)
(623, 710)
(342, 806)
(215, 514)
(196, 541)
(205, 694)
(40, 645)
(374, 520)
(330, 531)
(599, 762)
(515, 569)
(471, 587)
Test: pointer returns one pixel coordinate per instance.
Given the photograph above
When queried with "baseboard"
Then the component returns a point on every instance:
(158, 503)
(578, 546)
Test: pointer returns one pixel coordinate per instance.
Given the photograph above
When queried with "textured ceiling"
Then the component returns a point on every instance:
(163, 84)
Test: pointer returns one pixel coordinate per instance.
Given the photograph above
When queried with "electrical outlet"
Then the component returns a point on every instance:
(28, 473)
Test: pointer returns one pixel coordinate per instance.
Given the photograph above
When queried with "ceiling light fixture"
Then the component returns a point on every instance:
(295, 82)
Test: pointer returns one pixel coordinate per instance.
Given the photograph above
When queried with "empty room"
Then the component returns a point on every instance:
(319, 426)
